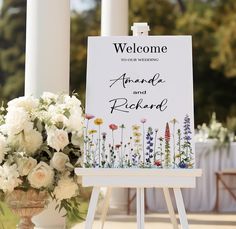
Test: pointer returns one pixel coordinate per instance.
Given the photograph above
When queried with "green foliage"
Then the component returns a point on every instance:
(224, 52)
(213, 54)
(161, 15)
(8, 219)
(82, 25)
(12, 48)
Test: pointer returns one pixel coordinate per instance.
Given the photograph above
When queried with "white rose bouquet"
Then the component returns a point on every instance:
(40, 145)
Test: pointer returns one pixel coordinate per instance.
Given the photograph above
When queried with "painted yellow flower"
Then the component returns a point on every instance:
(92, 131)
(135, 127)
(173, 121)
(98, 121)
(190, 165)
(137, 134)
(137, 140)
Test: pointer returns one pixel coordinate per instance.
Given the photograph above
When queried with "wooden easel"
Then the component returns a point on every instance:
(139, 178)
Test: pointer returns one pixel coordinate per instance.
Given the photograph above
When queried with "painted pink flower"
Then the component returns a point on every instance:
(157, 163)
(167, 132)
(143, 120)
(113, 127)
(117, 146)
(89, 116)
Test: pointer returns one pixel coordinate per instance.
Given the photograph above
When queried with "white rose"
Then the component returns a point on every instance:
(3, 147)
(57, 138)
(72, 102)
(59, 161)
(32, 141)
(9, 177)
(59, 118)
(25, 165)
(27, 103)
(65, 189)
(75, 122)
(17, 119)
(29, 141)
(41, 176)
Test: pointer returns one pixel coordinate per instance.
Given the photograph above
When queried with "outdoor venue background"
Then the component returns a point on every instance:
(212, 23)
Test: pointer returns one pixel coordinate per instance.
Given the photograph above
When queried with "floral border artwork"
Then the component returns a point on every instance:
(145, 147)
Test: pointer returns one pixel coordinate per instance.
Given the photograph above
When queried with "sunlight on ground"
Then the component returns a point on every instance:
(153, 221)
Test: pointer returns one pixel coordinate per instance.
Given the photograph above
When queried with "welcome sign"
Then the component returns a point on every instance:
(139, 102)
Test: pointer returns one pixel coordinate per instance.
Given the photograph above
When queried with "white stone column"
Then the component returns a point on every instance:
(47, 67)
(114, 22)
(47, 46)
(114, 18)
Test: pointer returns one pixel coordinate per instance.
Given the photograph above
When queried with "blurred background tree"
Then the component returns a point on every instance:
(212, 23)
(12, 48)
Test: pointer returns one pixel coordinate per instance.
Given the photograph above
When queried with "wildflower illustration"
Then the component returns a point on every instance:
(144, 148)
(143, 121)
(119, 156)
(167, 146)
(187, 148)
(180, 152)
(159, 156)
(112, 156)
(173, 121)
(88, 117)
(104, 156)
(122, 127)
(113, 127)
(154, 148)
(98, 122)
(92, 147)
(137, 146)
(149, 148)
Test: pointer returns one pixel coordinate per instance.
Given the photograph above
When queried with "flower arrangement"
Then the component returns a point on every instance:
(214, 130)
(40, 145)
(138, 145)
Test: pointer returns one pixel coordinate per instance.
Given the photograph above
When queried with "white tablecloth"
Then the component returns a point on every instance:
(210, 159)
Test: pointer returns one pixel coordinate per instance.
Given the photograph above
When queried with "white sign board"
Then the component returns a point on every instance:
(143, 87)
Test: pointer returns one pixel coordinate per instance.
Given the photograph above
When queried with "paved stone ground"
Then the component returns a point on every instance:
(161, 221)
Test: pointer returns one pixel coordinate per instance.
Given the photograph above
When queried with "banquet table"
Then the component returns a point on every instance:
(210, 159)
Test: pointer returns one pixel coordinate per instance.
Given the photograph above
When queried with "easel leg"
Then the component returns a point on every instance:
(105, 206)
(217, 192)
(170, 208)
(181, 208)
(140, 208)
(92, 208)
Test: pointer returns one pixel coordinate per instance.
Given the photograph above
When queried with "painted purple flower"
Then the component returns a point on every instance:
(143, 120)
(104, 134)
(149, 148)
(187, 129)
(182, 165)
